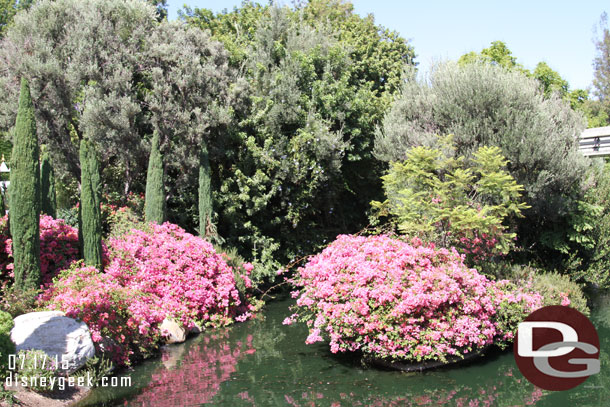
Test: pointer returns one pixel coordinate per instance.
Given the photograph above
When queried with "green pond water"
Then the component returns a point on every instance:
(264, 363)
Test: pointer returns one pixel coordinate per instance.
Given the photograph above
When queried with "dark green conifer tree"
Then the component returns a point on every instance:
(25, 195)
(155, 188)
(48, 203)
(91, 219)
(205, 191)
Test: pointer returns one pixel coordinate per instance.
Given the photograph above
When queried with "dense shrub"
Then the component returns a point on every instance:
(58, 248)
(487, 105)
(556, 289)
(122, 220)
(451, 201)
(394, 300)
(587, 241)
(7, 347)
(184, 274)
(122, 323)
(296, 168)
(17, 302)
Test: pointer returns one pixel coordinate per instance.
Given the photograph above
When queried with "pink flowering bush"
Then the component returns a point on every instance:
(163, 272)
(122, 324)
(58, 248)
(394, 300)
(178, 272)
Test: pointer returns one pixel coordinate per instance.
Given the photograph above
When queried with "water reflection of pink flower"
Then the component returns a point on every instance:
(487, 395)
(201, 371)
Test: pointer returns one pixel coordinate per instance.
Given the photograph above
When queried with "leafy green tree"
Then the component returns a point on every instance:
(189, 100)
(48, 203)
(154, 206)
(205, 193)
(8, 9)
(127, 76)
(91, 218)
(497, 54)
(485, 105)
(587, 241)
(297, 166)
(98, 90)
(446, 199)
(25, 195)
(550, 80)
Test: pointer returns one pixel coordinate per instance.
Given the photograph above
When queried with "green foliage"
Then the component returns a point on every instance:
(485, 105)
(25, 195)
(549, 80)
(155, 187)
(6, 323)
(6, 147)
(48, 202)
(446, 199)
(7, 347)
(296, 166)
(96, 91)
(18, 302)
(555, 288)
(69, 215)
(589, 231)
(205, 193)
(8, 9)
(123, 220)
(235, 261)
(95, 369)
(37, 369)
(91, 221)
(497, 54)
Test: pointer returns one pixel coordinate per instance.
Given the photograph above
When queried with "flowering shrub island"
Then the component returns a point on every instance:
(404, 301)
(163, 272)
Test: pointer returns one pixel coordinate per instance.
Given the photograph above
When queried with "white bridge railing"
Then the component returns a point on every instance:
(595, 142)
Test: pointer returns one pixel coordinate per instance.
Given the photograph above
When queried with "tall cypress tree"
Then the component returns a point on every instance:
(155, 188)
(205, 191)
(90, 196)
(48, 203)
(25, 195)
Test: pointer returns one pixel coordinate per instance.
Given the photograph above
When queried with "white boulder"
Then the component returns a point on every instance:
(173, 331)
(62, 338)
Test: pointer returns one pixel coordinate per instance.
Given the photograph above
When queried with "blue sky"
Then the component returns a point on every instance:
(558, 32)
